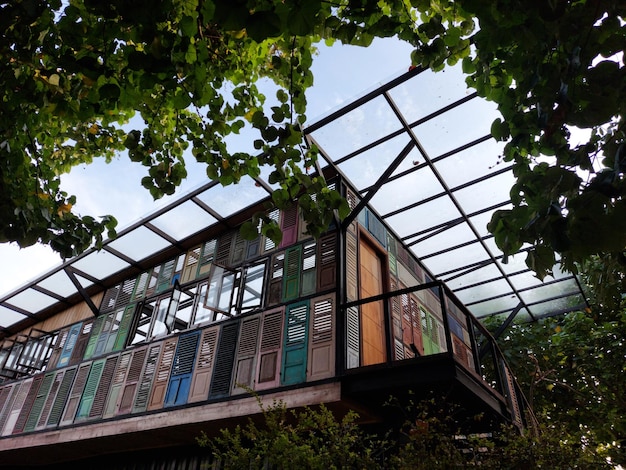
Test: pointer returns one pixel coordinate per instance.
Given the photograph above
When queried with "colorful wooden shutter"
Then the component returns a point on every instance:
(391, 255)
(275, 289)
(61, 397)
(206, 258)
(76, 393)
(40, 400)
(238, 249)
(162, 374)
(321, 355)
(146, 378)
(268, 243)
(52, 394)
(308, 284)
(396, 320)
(376, 227)
(70, 342)
(224, 360)
(126, 293)
(416, 323)
(245, 359)
(126, 398)
(119, 377)
(153, 278)
(105, 332)
(407, 324)
(269, 359)
(108, 300)
(352, 281)
(28, 404)
(222, 254)
(353, 338)
(291, 278)
(203, 368)
(190, 267)
(99, 400)
(295, 344)
(140, 286)
(89, 391)
(7, 397)
(165, 275)
(124, 328)
(182, 368)
(327, 275)
(289, 226)
(58, 347)
(93, 339)
(16, 407)
(81, 343)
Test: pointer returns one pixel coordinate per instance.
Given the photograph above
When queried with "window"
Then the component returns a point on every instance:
(252, 290)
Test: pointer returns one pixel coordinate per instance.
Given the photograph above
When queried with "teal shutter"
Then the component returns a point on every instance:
(295, 344)
(99, 400)
(93, 339)
(40, 399)
(291, 278)
(76, 393)
(70, 342)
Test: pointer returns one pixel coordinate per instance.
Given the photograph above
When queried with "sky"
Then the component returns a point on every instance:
(341, 73)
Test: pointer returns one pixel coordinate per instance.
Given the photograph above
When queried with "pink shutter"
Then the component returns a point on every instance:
(321, 357)
(269, 358)
(289, 226)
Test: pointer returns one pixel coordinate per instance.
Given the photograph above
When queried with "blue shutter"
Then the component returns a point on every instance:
(182, 368)
(70, 342)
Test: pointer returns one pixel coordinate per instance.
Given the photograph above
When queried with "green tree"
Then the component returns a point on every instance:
(75, 72)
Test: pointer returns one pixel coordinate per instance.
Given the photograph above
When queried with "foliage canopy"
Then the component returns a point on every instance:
(74, 73)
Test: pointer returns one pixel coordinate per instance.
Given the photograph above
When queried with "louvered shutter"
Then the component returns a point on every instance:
(22, 391)
(396, 320)
(222, 254)
(126, 293)
(147, 376)
(391, 255)
(93, 339)
(125, 400)
(253, 248)
(238, 249)
(275, 289)
(28, 404)
(165, 275)
(352, 282)
(70, 342)
(109, 298)
(224, 360)
(52, 394)
(81, 343)
(190, 267)
(7, 397)
(309, 272)
(76, 393)
(289, 226)
(376, 228)
(321, 355)
(117, 383)
(182, 369)
(57, 349)
(102, 392)
(327, 275)
(245, 358)
(407, 324)
(269, 358)
(415, 320)
(268, 243)
(124, 328)
(353, 338)
(105, 333)
(291, 278)
(203, 368)
(140, 286)
(295, 344)
(153, 278)
(206, 257)
(516, 414)
(89, 392)
(61, 397)
(162, 376)
(40, 400)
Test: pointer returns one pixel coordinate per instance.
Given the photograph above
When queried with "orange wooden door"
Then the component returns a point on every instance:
(372, 318)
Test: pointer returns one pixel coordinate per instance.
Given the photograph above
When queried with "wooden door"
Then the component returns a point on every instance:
(372, 318)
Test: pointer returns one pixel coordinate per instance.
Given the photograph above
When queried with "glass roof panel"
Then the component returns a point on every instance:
(492, 191)
(100, 264)
(183, 220)
(525, 279)
(559, 288)
(358, 128)
(139, 243)
(228, 200)
(423, 216)
(462, 256)
(9, 317)
(458, 234)
(470, 164)
(32, 300)
(472, 276)
(480, 221)
(501, 304)
(491, 289)
(559, 305)
(59, 283)
(409, 189)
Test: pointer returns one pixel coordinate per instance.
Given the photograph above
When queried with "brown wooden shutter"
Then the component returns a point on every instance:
(40, 400)
(270, 359)
(21, 392)
(417, 324)
(162, 374)
(140, 286)
(275, 289)
(206, 258)
(81, 343)
(238, 249)
(245, 359)
(28, 404)
(58, 347)
(352, 281)
(125, 401)
(5, 396)
(190, 267)
(353, 337)
(321, 357)
(222, 254)
(147, 376)
(289, 226)
(327, 275)
(205, 362)
(224, 360)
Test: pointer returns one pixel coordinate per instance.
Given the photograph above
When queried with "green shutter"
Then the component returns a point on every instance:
(125, 324)
(90, 390)
(291, 278)
(93, 339)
